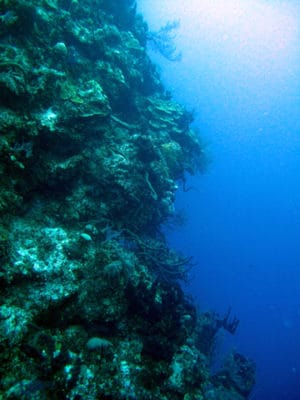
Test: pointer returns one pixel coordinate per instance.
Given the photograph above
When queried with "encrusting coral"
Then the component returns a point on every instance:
(92, 150)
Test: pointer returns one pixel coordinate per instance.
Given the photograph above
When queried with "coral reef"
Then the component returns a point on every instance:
(92, 150)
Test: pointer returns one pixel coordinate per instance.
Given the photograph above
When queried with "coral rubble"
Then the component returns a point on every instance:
(92, 149)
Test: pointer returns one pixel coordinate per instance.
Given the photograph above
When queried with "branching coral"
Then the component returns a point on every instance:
(163, 41)
(162, 261)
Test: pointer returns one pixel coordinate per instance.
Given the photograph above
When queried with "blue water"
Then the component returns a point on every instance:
(240, 73)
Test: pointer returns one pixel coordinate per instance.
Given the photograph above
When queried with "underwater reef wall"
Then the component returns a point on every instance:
(92, 149)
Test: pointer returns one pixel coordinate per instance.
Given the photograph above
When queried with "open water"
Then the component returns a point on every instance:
(239, 73)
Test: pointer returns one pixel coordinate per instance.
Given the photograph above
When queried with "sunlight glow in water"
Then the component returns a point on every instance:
(253, 33)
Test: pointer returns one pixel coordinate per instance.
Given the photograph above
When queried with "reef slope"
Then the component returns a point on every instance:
(92, 149)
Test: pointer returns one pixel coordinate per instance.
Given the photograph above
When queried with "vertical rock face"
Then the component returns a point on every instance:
(91, 152)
